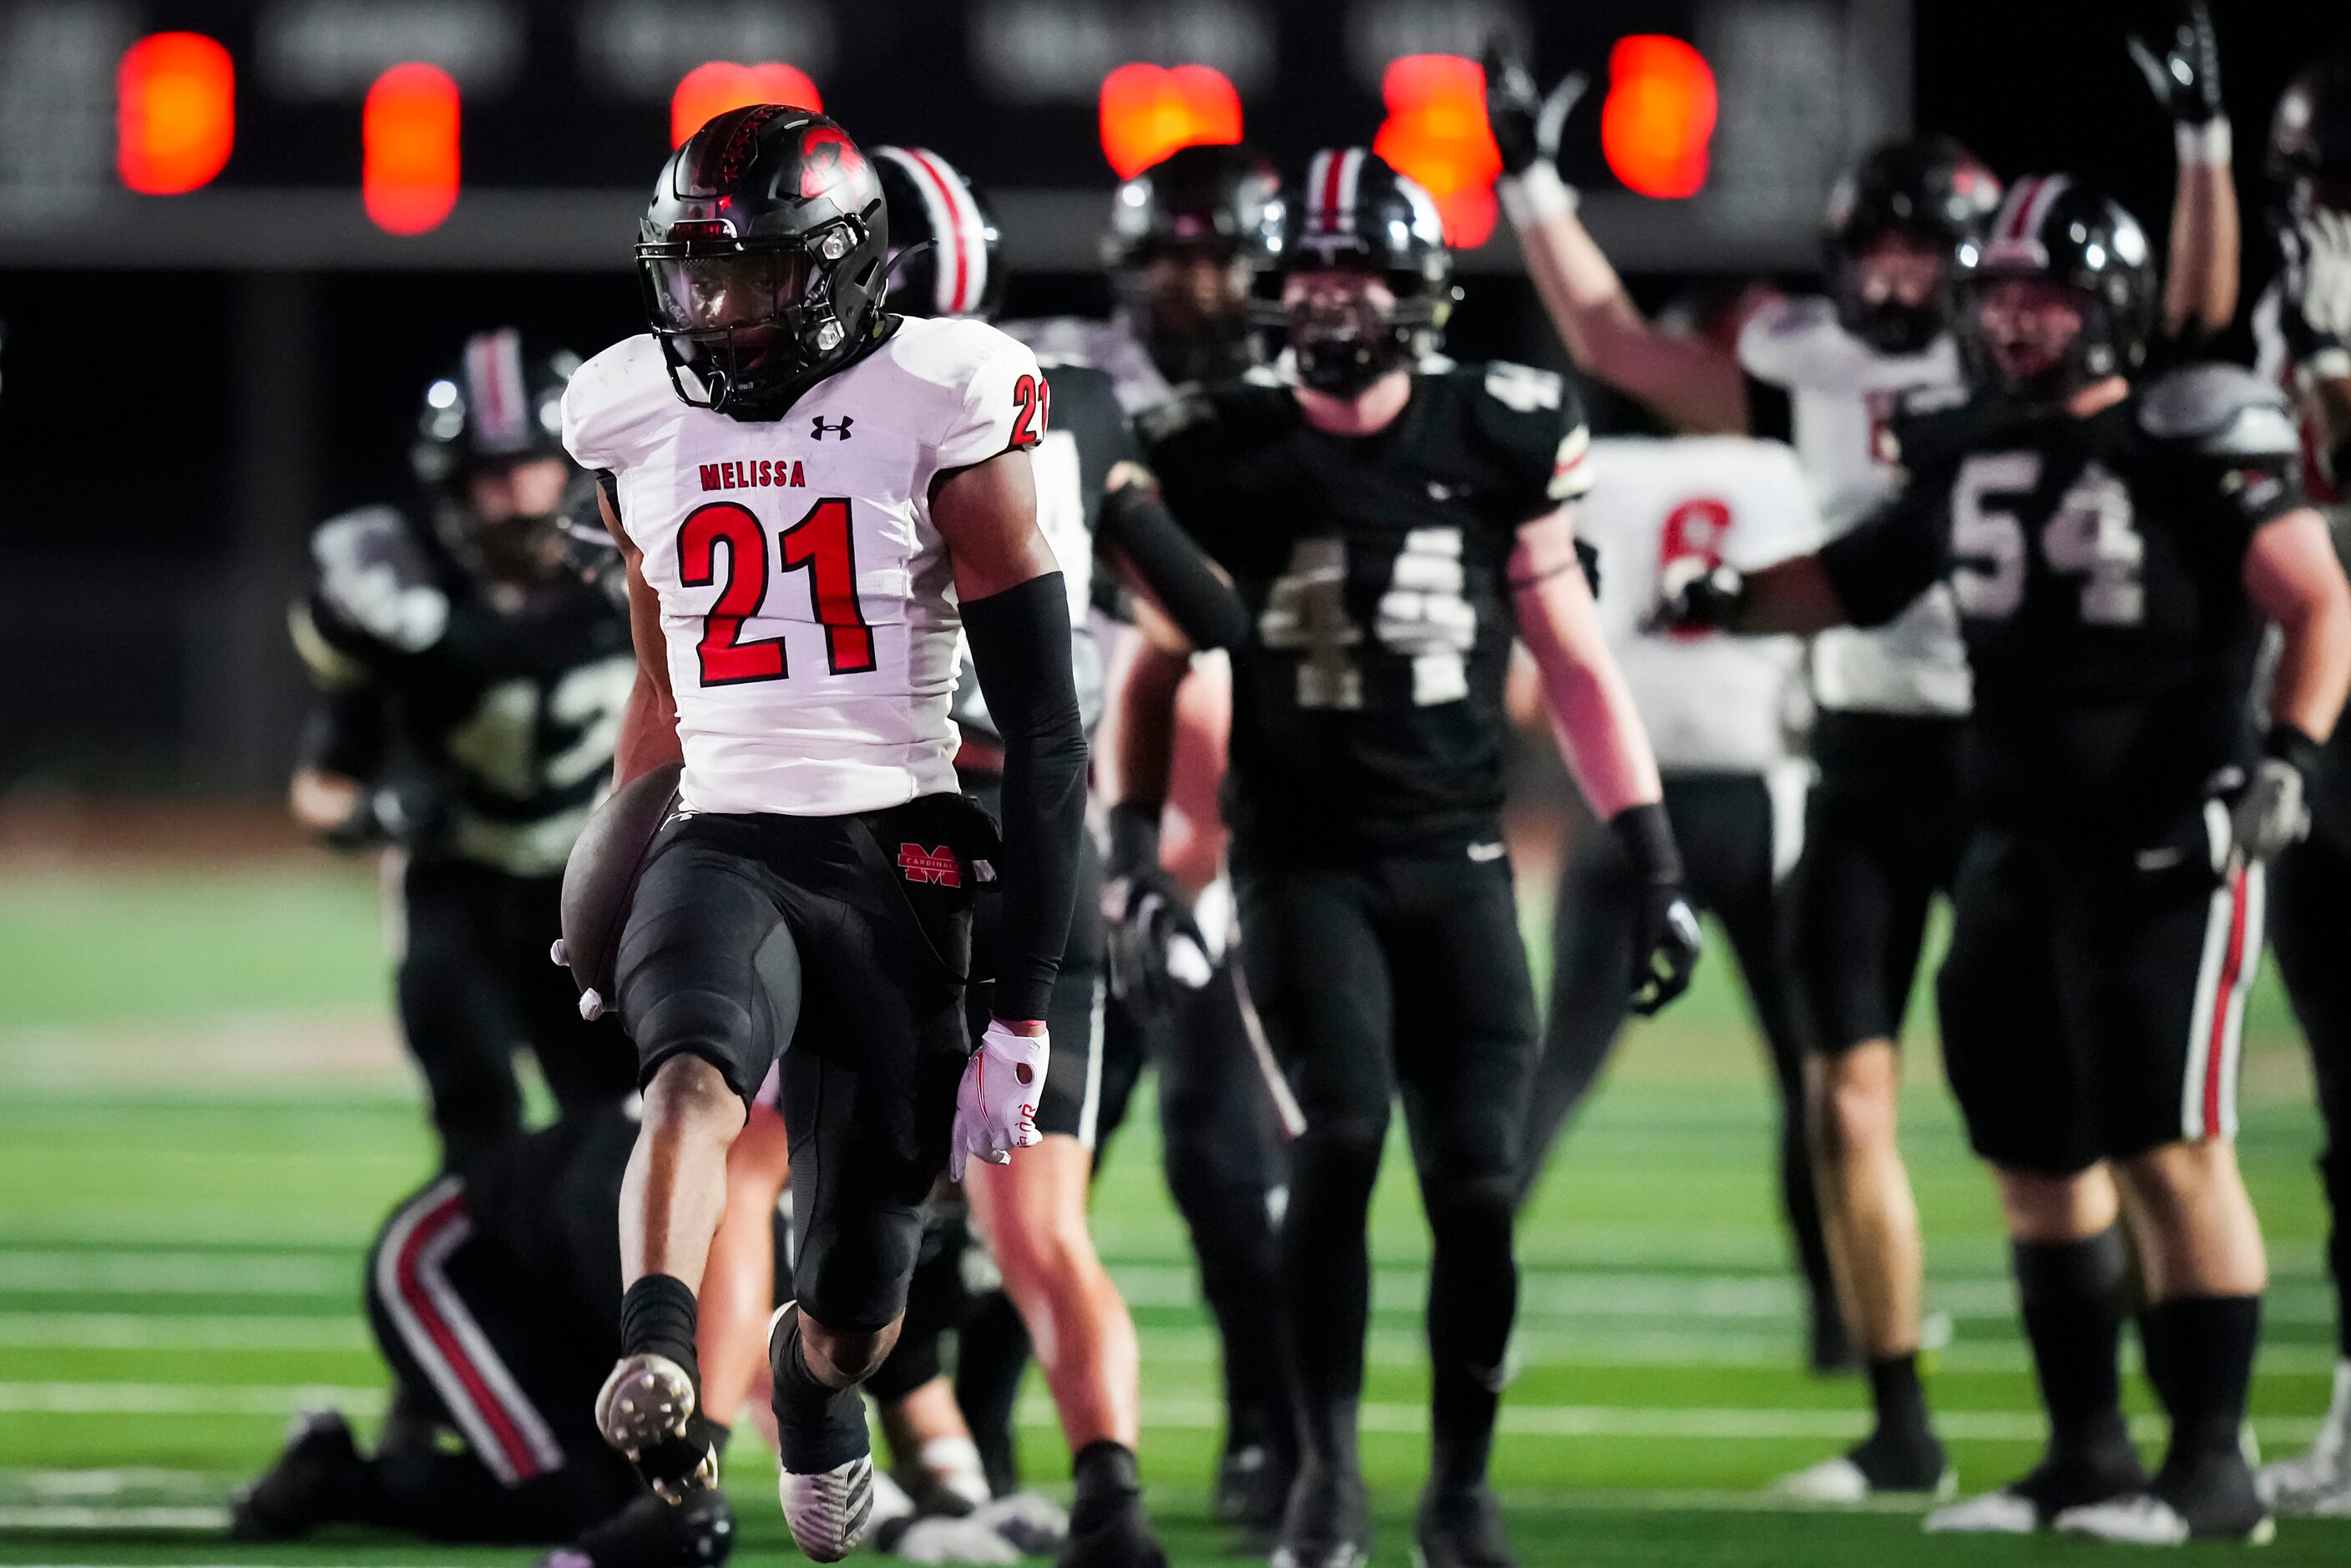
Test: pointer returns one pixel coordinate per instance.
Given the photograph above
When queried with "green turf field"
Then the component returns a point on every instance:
(201, 1123)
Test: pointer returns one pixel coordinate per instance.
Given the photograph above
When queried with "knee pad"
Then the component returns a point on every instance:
(1481, 1199)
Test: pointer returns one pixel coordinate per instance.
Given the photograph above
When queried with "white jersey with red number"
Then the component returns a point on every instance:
(2275, 362)
(1712, 703)
(1840, 394)
(806, 598)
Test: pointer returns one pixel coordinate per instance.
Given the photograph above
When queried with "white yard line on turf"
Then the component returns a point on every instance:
(26, 1269)
(1517, 1420)
(172, 1331)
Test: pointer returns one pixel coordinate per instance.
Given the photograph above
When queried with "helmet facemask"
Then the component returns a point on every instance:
(1189, 302)
(2038, 338)
(746, 326)
(1894, 289)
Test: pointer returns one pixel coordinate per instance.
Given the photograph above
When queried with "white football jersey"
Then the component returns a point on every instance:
(1712, 703)
(1841, 394)
(807, 600)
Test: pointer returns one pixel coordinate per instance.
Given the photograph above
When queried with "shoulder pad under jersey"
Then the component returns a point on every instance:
(2220, 411)
(616, 404)
(374, 575)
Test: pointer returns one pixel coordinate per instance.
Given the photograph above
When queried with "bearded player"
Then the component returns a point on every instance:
(813, 498)
(2114, 552)
(1885, 823)
(1391, 528)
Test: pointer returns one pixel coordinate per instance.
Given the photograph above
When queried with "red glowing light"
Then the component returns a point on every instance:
(713, 87)
(1659, 115)
(175, 113)
(1149, 111)
(1436, 136)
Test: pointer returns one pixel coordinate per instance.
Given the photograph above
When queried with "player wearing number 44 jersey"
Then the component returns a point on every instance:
(814, 497)
(2112, 551)
(470, 686)
(1389, 528)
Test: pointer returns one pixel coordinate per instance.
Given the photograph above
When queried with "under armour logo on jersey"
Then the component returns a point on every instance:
(939, 866)
(838, 427)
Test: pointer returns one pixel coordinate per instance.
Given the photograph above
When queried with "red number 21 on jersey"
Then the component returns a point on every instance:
(821, 542)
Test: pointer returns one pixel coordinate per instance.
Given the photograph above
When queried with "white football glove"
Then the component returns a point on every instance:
(995, 1108)
(2321, 283)
(2272, 815)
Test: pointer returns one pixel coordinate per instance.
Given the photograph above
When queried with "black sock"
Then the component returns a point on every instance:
(1473, 1291)
(991, 1354)
(657, 1318)
(1107, 1483)
(2199, 1356)
(819, 1426)
(1326, 1280)
(2073, 1295)
(2335, 1178)
(1901, 1453)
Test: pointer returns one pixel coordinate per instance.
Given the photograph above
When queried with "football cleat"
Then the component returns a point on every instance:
(2208, 1496)
(698, 1533)
(645, 1409)
(828, 1512)
(1327, 1524)
(1120, 1537)
(1034, 1525)
(2058, 1484)
(1461, 1530)
(2317, 1484)
(305, 1489)
(1252, 1486)
(1841, 1483)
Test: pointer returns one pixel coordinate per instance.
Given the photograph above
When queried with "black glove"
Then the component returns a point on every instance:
(1145, 912)
(1526, 121)
(2185, 77)
(1693, 597)
(399, 812)
(1665, 942)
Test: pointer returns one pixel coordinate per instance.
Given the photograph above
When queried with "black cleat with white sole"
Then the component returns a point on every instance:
(1461, 1530)
(2061, 1482)
(2208, 1496)
(1328, 1523)
(317, 1480)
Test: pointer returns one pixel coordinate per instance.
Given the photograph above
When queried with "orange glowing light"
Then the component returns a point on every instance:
(1436, 135)
(1659, 115)
(1149, 111)
(710, 89)
(175, 113)
(409, 131)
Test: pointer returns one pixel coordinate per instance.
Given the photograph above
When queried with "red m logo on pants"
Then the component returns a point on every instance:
(937, 865)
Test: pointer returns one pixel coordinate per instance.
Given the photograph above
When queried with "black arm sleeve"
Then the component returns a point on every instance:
(1138, 525)
(1891, 557)
(1020, 647)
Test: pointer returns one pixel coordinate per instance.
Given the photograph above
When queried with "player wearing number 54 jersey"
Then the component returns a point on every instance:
(2113, 552)
(1389, 528)
(815, 499)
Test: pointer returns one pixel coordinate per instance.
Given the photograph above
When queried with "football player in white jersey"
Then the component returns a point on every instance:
(811, 896)
(1720, 713)
(2303, 329)
(1883, 834)
(1188, 241)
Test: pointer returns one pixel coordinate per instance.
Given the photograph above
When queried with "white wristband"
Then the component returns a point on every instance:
(2205, 146)
(1537, 195)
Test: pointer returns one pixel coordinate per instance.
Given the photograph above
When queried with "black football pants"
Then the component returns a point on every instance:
(2310, 930)
(1399, 974)
(1724, 825)
(475, 984)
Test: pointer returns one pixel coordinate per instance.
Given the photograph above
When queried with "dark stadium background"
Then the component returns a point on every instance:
(169, 431)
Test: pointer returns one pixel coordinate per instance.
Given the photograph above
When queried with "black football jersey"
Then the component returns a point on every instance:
(509, 709)
(1086, 435)
(2097, 565)
(1367, 704)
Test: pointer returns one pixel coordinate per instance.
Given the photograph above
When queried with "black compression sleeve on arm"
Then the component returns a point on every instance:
(1020, 646)
(1137, 524)
(1882, 566)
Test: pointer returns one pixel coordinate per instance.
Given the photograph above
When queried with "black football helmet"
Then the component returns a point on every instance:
(945, 247)
(1223, 202)
(2310, 134)
(499, 406)
(2054, 227)
(1929, 186)
(762, 257)
(1358, 214)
